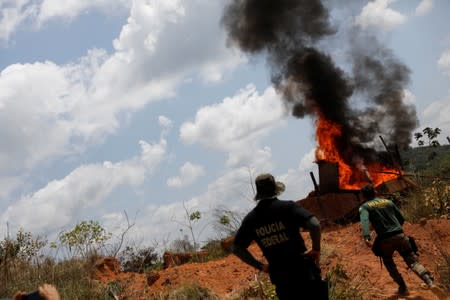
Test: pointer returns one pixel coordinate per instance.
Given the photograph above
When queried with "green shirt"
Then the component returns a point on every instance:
(384, 216)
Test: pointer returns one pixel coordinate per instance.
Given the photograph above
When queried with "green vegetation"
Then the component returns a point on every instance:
(186, 292)
(85, 239)
(341, 286)
(137, 260)
(431, 135)
(430, 167)
(261, 288)
(228, 221)
(426, 162)
(215, 250)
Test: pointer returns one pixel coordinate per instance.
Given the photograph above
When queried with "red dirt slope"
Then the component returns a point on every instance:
(343, 245)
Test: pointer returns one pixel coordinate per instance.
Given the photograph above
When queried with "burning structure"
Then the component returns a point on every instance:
(349, 108)
(331, 202)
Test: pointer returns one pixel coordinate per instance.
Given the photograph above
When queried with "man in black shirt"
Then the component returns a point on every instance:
(275, 226)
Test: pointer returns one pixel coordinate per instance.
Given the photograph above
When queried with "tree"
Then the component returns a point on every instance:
(431, 135)
(192, 217)
(117, 247)
(85, 239)
(227, 221)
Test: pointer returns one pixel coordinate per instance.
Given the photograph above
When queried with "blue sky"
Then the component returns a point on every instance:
(140, 106)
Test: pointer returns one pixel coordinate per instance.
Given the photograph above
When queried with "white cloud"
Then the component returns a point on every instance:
(436, 115)
(237, 124)
(72, 8)
(189, 173)
(167, 36)
(424, 7)
(85, 99)
(165, 122)
(298, 181)
(378, 14)
(41, 121)
(13, 13)
(166, 125)
(8, 184)
(17, 12)
(60, 202)
(444, 62)
(36, 118)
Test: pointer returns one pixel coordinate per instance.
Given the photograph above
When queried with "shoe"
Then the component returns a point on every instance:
(428, 280)
(402, 290)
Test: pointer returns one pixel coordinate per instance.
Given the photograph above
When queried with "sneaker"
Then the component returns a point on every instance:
(428, 280)
(402, 290)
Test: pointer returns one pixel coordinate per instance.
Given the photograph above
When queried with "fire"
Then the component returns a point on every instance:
(350, 177)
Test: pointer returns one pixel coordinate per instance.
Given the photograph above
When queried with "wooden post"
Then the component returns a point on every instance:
(394, 161)
(316, 186)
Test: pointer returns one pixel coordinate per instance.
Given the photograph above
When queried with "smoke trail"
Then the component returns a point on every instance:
(310, 82)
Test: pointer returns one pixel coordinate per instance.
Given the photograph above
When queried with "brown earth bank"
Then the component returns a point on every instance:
(342, 245)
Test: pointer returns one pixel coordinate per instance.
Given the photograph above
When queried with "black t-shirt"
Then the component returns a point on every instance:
(274, 225)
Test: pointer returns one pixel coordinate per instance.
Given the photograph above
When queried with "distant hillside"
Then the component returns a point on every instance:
(427, 160)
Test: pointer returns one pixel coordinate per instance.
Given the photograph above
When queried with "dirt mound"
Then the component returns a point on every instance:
(342, 245)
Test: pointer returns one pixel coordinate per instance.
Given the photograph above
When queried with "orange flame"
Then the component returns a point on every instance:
(350, 177)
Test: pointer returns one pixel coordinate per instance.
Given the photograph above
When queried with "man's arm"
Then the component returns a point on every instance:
(247, 257)
(313, 226)
(364, 218)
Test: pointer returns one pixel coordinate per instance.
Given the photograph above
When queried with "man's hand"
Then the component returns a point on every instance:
(315, 255)
(49, 292)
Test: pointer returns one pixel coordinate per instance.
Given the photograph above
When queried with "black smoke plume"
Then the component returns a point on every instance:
(366, 104)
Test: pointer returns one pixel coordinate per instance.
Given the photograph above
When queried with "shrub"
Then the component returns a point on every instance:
(16, 255)
(113, 289)
(215, 250)
(414, 208)
(432, 201)
(340, 285)
(71, 277)
(437, 196)
(138, 260)
(261, 288)
(186, 292)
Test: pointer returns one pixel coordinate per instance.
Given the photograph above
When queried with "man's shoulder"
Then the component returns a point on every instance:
(249, 215)
(376, 203)
(284, 202)
(290, 205)
(364, 205)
